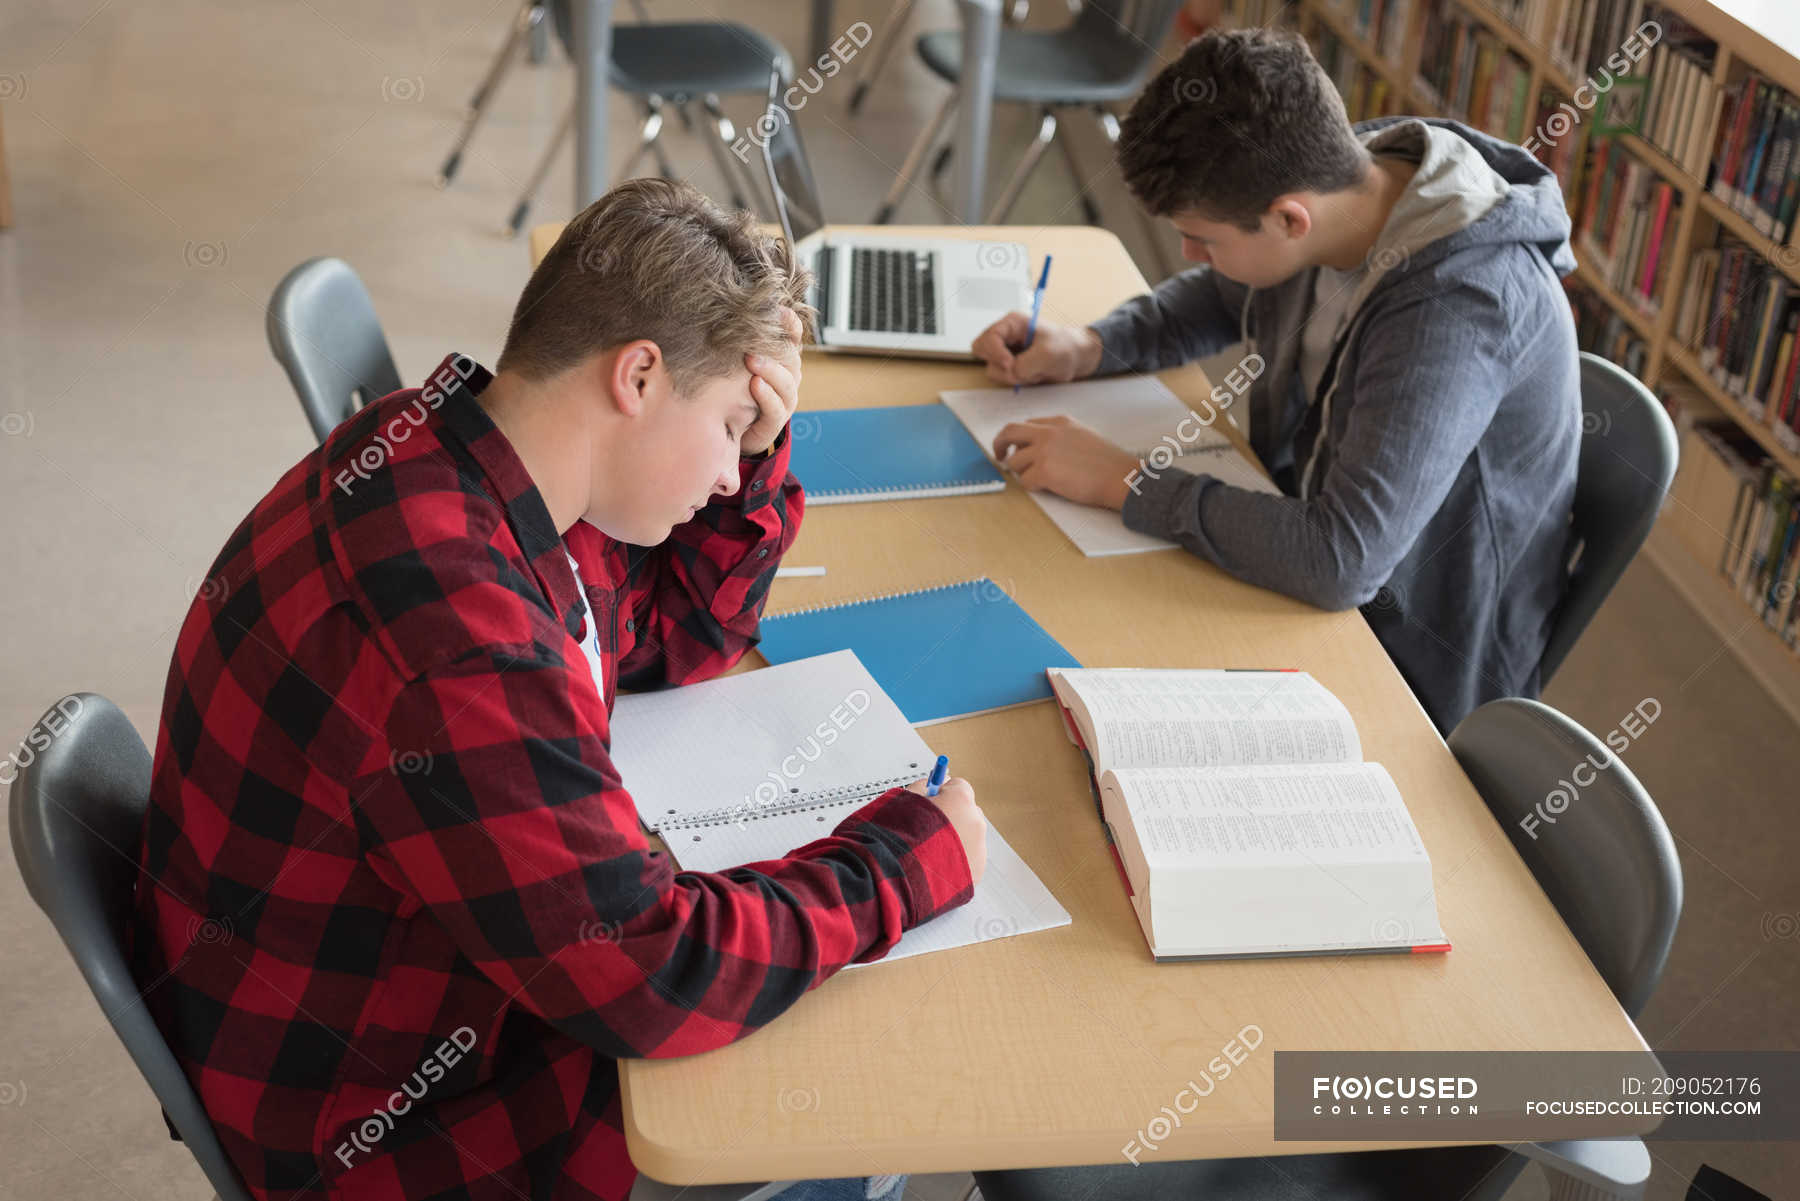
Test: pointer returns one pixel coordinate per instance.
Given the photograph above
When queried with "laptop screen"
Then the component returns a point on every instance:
(790, 175)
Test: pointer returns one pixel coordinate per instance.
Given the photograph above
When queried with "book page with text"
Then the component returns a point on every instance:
(1327, 813)
(1211, 718)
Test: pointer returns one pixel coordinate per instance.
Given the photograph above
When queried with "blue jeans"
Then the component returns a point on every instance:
(845, 1188)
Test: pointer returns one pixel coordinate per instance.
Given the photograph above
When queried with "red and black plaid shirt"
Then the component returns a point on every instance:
(404, 916)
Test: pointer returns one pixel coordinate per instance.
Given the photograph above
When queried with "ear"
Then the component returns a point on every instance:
(1289, 216)
(632, 375)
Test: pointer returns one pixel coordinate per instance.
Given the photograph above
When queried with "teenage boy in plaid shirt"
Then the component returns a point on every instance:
(397, 917)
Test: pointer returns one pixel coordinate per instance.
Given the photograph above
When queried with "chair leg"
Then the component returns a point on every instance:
(529, 14)
(564, 129)
(727, 134)
(1090, 211)
(717, 142)
(1033, 153)
(647, 136)
(664, 167)
(872, 67)
(914, 158)
(537, 49)
(1109, 126)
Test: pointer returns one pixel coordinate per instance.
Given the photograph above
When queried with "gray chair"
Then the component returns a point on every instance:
(1628, 457)
(324, 332)
(77, 814)
(1611, 871)
(1104, 56)
(664, 64)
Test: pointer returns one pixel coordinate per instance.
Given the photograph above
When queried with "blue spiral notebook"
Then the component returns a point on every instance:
(941, 653)
(900, 452)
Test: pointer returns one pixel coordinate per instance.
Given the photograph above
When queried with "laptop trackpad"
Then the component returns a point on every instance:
(991, 293)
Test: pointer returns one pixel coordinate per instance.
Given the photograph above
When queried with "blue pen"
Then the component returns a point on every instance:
(1037, 303)
(938, 775)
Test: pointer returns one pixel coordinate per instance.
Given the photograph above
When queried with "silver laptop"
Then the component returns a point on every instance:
(889, 293)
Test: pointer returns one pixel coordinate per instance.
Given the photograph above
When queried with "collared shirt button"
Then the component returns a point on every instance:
(630, 625)
(756, 485)
(763, 553)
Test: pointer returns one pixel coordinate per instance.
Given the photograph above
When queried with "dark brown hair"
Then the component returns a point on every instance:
(656, 259)
(1240, 118)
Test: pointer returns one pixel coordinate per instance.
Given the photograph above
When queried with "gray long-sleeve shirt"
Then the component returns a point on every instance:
(1429, 480)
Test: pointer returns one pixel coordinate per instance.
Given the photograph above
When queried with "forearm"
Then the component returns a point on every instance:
(1303, 549)
(1186, 317)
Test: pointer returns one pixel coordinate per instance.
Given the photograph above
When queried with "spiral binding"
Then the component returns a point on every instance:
(853, 602)
(824, 799)
(952, 488)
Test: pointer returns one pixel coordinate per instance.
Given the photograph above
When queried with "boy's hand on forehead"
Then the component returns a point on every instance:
(775, 387)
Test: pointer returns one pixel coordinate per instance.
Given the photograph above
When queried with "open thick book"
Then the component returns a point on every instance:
(1243, 817)
(747, 767)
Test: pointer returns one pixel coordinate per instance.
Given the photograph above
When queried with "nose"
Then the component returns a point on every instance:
(726, 484)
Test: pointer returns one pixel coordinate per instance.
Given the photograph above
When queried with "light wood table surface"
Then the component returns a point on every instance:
(1060, 1047)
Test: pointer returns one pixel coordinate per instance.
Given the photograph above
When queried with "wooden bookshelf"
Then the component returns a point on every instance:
(1761, 35)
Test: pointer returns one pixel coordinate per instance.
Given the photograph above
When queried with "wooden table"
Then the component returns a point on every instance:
(1059, 1047)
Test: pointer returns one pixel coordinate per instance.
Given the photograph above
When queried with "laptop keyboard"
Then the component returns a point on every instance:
(892, 291)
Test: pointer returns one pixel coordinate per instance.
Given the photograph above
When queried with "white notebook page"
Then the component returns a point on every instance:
(761, 741)
(1137, 412)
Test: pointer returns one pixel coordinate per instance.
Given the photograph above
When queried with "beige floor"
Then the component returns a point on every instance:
(170, 162)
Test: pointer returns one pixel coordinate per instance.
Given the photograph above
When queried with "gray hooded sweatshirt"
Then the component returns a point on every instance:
(1429, 478)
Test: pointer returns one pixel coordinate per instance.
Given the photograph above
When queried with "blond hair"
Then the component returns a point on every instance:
(656, 259)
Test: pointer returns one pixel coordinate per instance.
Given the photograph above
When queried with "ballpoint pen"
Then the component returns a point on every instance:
(1037, 303)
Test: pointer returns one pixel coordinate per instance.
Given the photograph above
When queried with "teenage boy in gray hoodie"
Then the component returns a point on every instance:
(1416, 397)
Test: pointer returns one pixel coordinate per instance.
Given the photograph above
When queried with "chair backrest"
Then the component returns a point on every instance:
(1133, 30)
(1599, 849)
(324, 332)
(1628, 454)
(78, 807)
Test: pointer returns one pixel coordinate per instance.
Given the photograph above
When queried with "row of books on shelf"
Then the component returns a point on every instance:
(1382, 23)
(1681, 98)
(1628, 217)
(1741, 317)
(1756, 162)
(1471, 73)
(1595, 36)
(1739, 513)
(1530, 17)
(1365, 93)
(1601, 330)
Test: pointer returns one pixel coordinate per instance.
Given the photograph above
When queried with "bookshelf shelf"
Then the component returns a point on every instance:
(1732, 407)
(1635, 317)
(1662, 164)
(1757, 647)
(1787, 258)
